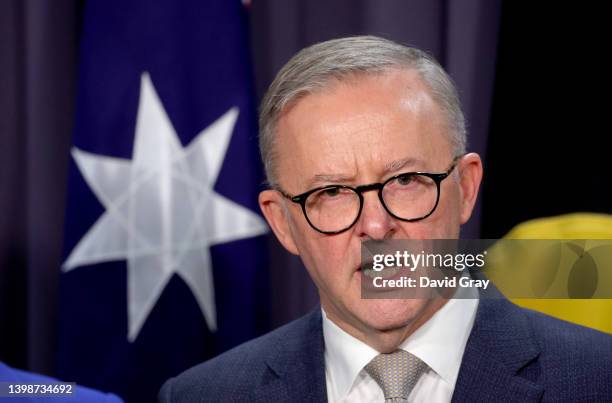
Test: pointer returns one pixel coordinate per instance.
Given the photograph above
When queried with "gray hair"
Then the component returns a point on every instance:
(315, 67)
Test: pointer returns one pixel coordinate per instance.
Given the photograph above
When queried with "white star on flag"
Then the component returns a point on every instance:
(162, 213)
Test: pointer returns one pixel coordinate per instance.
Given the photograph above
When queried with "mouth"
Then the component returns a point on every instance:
(366, 268)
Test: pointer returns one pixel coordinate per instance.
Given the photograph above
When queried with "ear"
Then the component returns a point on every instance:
(271, 204)
(470, 168)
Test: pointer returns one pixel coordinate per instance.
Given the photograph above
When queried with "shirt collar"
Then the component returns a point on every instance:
(439, 342)
(345, 356)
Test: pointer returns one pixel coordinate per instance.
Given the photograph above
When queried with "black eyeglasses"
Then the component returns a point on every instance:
(409, 196)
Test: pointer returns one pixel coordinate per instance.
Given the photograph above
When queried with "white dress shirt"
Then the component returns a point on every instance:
(440, 343)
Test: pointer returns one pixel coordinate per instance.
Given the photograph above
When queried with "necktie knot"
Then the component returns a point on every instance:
(396, 373)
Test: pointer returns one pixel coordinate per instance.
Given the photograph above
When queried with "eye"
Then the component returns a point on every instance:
(331, 192)
(404, 179)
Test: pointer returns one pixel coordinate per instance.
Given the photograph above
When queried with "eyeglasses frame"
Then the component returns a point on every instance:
(436, 177)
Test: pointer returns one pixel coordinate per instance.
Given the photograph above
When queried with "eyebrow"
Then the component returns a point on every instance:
(390, 167)
(322, 179)
(396, 165)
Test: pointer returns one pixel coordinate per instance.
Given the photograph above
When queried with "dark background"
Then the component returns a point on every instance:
(531, 76)
(549, 139)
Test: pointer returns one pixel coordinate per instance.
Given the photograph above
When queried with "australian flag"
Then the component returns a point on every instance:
(165, 262)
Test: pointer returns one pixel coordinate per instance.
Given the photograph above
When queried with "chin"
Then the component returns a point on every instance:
(389, 314)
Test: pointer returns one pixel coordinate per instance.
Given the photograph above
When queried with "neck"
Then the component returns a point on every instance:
(388, 339)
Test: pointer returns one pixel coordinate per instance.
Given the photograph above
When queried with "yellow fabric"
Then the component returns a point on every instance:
(594, 313)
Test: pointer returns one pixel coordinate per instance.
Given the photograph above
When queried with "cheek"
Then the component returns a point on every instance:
(329, 258)
(449, 213)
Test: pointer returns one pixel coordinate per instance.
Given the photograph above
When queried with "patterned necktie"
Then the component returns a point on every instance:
(396, 373)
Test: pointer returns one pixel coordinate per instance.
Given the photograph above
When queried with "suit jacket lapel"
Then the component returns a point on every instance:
(298, 365)
(499, 347)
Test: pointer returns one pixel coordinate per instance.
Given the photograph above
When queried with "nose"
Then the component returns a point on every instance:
(375, 222)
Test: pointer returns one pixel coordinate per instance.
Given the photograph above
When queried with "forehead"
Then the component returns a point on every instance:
(360, 126)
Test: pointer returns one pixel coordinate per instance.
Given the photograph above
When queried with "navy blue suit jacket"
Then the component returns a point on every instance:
(81, 394)
(512, 355)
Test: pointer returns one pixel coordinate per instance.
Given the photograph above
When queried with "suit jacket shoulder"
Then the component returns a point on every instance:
(512, 355)
(577, 359)
(518, 355)
(280, 365)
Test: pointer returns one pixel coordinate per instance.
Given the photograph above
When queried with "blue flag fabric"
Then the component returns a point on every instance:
(165, 252)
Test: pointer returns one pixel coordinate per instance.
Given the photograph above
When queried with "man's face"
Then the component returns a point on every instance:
(358, 132)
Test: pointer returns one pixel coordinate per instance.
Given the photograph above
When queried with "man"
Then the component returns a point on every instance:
(344, 124)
